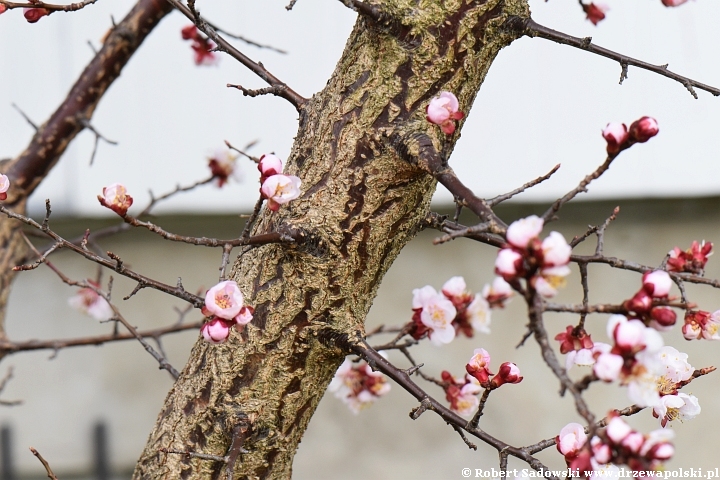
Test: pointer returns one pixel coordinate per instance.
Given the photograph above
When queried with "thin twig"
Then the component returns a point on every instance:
(45, 464)
(506, 196)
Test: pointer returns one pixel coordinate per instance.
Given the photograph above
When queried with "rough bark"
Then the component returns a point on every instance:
(361, 203)
(28, 169)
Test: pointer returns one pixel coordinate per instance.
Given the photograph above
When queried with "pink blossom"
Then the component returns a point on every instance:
(224, 300)
(595, 12)
(520, 232)
(701, 324)
(640, 303)
(3, 9)
(571, 439)
(657, 445)
(32, 15)
(268, 166)
(358, 385)
(4, 186)
(617, 430)
(115, 198)
(436, 313)
(467, 401)
(245, 316)
(673, 407)
(507, 373)
(455, 287)
(616, 135)
(478, 314)
(479, 365)
(607, 366)
(216, 330)
(549, 280)
(556, 251)
(280, 189)
(508, 263)
(657, 283)
(571, 340)
(443, 110)
(88, 301)
(692, 260)
(673, 3)
(497, 293)
(643, 129)
(633, 441)
(222, 165)
(675, 366)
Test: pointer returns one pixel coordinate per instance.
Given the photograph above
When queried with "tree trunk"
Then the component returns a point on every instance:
(361, 203)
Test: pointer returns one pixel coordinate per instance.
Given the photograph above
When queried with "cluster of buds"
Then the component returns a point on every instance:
(578, 347)
(115, 198)
(202, 46)
(444, 110)
(655, 287)
(595, 12)
(224, 308)
(619, 137)
(222, 166)
(276, 187)
(542, 263)
(692, 260)
(89, 302)
(618, 444)
(700, 324)
(479, 368)
(4, 186)
(454, 310)
(358, 385)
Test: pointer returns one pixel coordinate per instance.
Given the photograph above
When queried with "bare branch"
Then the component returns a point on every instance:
(72, 7)
(45, 464)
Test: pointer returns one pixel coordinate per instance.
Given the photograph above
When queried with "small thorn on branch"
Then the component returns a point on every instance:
(413, 369)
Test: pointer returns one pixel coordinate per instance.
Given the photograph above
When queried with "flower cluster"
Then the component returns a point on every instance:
(88, 301)
(358, 385)
(4, 186)
(479, 368)
(222, 166)
(578, 347)
(544, 263)
(701, 324)
(618, 444)
(444, 110)
(115, 198)
(277, 188)
(655, 286)
(461, 393)
(442, 315)
(595, 12)
(692, 260)
(202, 46)
(224, 308)
(619, 137)
(32, 15)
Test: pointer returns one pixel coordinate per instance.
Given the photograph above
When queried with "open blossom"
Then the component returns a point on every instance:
(585, 357)
(280, 189)
(268, 166)
(692, 260)
(643, 129)
(358, 385)
(32, 15)
(455, 288)
(224, 300)
(520, 232)
(443, 110)
(675, 366)
(436, 313)
(595, 12)
(478, 314)
(115, 198)
(4, 186)
(608, 366)
(676, 407)
(556, 251)
(571, 439)
(461, 393)
(222, 165)
(700, 324)
(479, 365)
(616, 135)
(90, 302)
(216, 330)
(497, 293)
(549, 280)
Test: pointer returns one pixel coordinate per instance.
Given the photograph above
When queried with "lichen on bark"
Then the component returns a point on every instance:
(361, 203)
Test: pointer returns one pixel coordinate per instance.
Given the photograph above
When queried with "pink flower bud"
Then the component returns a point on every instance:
(644, 129)
(455, 288)
(4, 185)
(520, 232)
(607, 366)
(616, 135)
(508, 263)
(115, 198)
(640, 303)
(507, 373)
(442, 110)
(3, 8)
(224, 300)
(216, 330)
(498, 293)
(479, 365)
(32, 15)
(280, 189)
(571, 439)
(571, 341)
(633, 441)
(556, 251)
(657, 283)
(595, 12)
(664, 316)
(617, 430)
(269, 165)
(222, 165)
(673, 3)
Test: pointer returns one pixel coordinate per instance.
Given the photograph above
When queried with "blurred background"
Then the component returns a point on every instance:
(89, 410)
